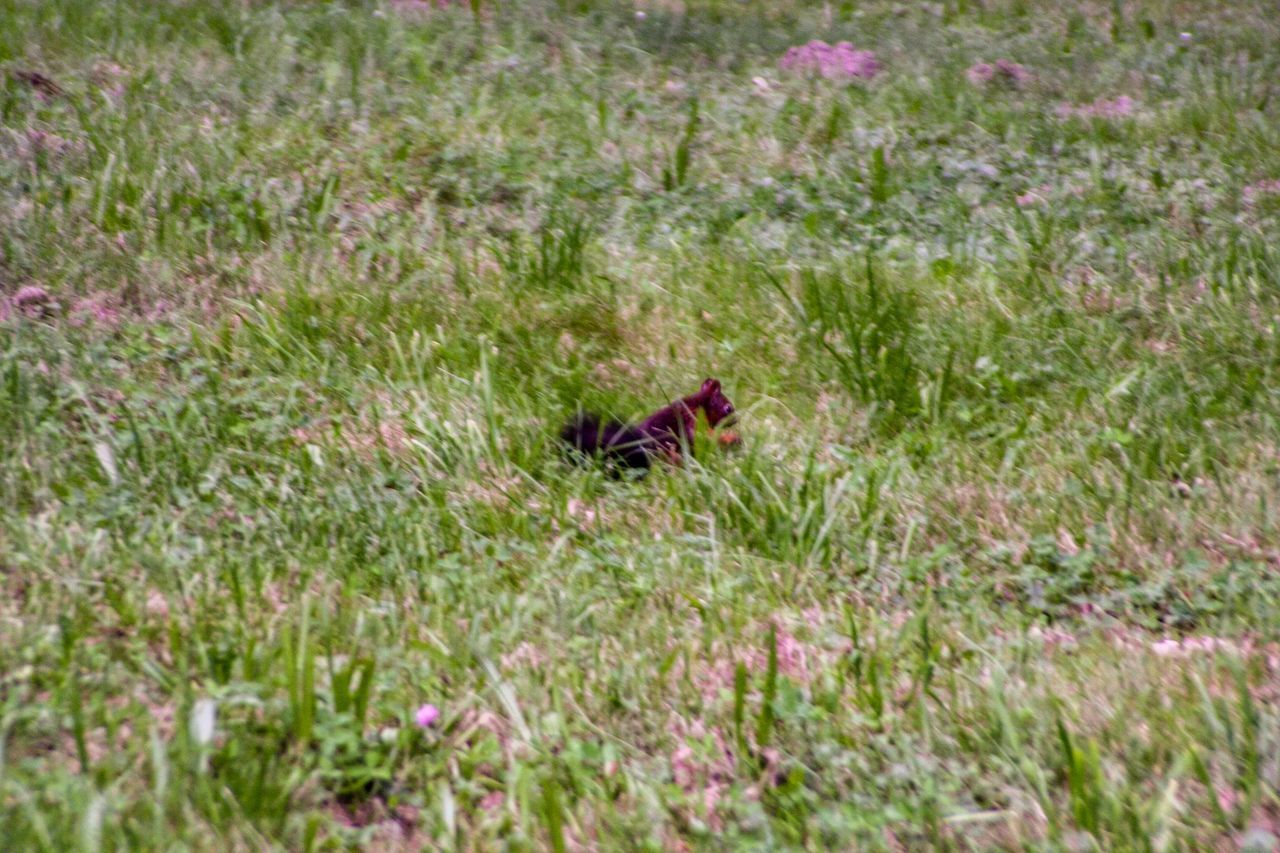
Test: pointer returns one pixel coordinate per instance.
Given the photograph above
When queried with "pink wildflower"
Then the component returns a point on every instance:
(110, 77)
(980, 73)
(416, 7)
(792, 657)
(159, 310)
(1121, 107)
(1052, 636)
(683, 766)
(793, 661)
(525, 655)
(711, 795)
(1012, 71)
(1118, 108)
(831, 61)
(31, 300)
(30, 295)
(426, 716)
(1003, 71)
(1252, 192)
(99, 308)
(1191, 645)
(1039, 195)
(1211, 644)
(708, 775)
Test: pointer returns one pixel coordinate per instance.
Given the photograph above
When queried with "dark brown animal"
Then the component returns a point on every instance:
(666, 434)
(43, 85)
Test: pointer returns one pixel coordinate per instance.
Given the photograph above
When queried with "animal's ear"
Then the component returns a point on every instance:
(711, 386)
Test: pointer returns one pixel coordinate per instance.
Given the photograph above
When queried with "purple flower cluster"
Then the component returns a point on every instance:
(1002, 71)
(840, 60)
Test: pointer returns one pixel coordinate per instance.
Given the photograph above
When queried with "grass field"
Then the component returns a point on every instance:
(294, 297)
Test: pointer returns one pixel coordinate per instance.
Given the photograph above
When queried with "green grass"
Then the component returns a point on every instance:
(998, 563)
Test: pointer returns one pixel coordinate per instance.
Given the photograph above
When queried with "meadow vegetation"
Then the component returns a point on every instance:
(294, 297)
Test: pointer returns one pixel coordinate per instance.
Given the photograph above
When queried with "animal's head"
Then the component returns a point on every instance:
(714, 402)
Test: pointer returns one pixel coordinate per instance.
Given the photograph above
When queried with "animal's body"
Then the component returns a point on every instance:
(666, 434)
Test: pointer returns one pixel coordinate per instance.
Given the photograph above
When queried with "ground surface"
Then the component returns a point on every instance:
(293, 297)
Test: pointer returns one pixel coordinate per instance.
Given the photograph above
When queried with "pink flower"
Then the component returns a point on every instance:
(683, 766)
(980, 73)
(1118, 108)
(1012, 71)
(31, 301)
(416, 7)
(1052, 636)
(98, 308)
(1191, 645)
(831, 61)
(30, 295)
(426, 716)
(1121, 107)
(1261, 188)
(1003, 71)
